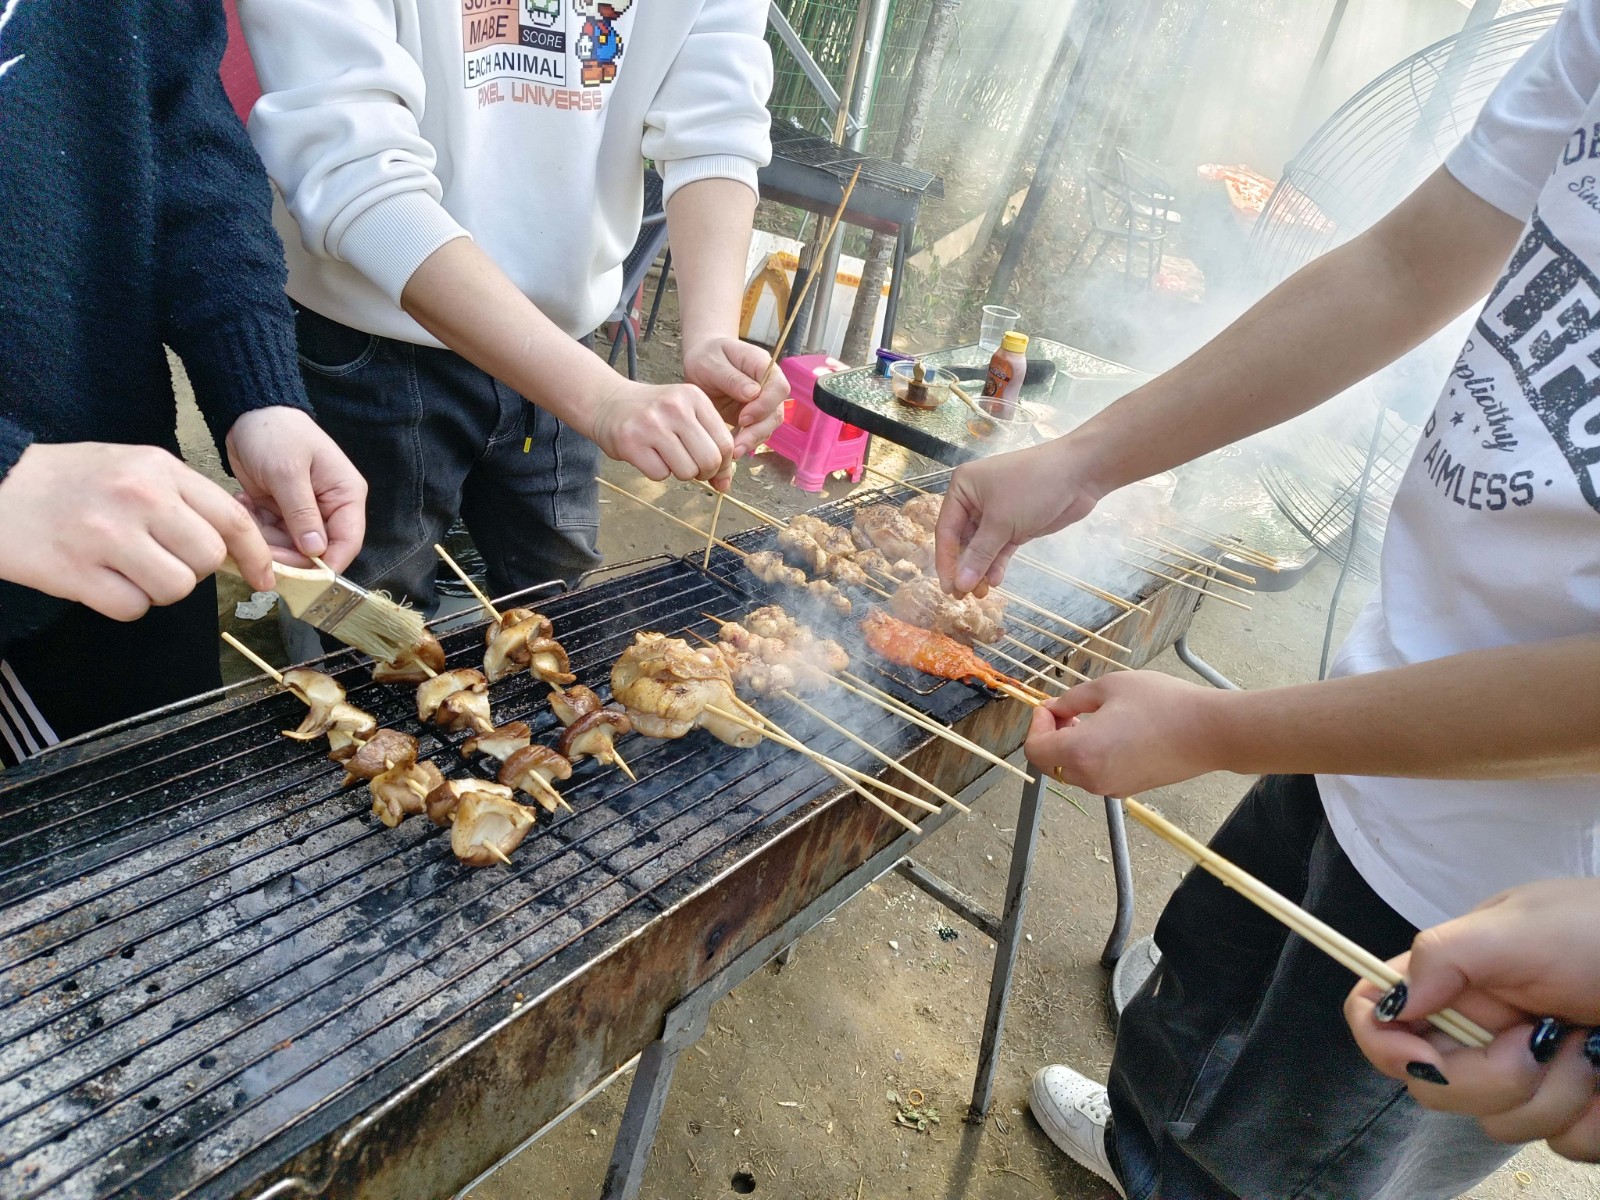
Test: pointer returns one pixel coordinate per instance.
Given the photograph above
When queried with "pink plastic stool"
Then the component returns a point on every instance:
(238, 71)
(816, 443)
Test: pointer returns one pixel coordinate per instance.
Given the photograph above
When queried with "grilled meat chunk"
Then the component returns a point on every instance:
(923, 603)
(923, 510)
(666, 686)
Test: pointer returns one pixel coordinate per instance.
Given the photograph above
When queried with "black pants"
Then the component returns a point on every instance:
(1235, 1074)
(437, 438)
(85, 671)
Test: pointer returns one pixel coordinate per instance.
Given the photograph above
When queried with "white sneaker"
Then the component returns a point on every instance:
(1073, 1111)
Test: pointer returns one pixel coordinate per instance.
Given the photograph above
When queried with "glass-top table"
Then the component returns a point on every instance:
(1081, 386)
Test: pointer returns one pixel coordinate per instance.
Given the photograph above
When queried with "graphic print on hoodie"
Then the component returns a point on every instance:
(571, 50)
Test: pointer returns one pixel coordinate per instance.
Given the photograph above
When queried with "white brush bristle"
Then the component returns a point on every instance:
(381, 628)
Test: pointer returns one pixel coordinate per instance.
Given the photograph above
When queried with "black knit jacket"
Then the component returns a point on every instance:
(133, 213)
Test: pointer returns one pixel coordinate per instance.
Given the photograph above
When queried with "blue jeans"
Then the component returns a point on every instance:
(437, 438)
(1235, 1074)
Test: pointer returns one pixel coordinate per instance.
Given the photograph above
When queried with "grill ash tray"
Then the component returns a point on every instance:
(213, 957)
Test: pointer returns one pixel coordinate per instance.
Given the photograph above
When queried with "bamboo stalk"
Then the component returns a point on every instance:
(877, 753)
(827, 764)
(1320, 934)
(477, 592)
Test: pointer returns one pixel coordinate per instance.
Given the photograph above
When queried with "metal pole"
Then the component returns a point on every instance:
(873, 21)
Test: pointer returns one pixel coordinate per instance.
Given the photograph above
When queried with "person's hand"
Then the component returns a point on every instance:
(1126, 733)
(729, 372)
(120, 528)
(308, 497)
(995, 504)
(1531, 952)
(667, 431)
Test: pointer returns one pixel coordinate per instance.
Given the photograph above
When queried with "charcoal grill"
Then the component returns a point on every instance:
(220, 977)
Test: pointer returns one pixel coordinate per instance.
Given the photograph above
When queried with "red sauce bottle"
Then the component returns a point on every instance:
(1008, 370)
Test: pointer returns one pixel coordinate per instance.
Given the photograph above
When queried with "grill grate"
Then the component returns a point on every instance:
(211, 956)
(808, 150)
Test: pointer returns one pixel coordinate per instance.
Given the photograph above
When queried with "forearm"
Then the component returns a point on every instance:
(460, 296)
(709, 225)
(1333, 323)
(1516, 712)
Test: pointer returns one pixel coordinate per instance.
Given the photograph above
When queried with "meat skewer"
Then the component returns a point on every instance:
(876, 695)
(867, 746)
(669, 689)
(874, 562)
(1043, 567)
(937, 655)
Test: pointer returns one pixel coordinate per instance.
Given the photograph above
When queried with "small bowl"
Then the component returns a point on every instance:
(936, 383)
(1002, 431)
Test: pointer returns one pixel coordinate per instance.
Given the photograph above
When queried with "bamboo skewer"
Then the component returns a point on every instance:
(692, 528)
(617, 761)
(1161, 543)
(826, 763)
(496, 851)
(876, 753)
(1320, 934)
(716, 513)
(1043, 567)
(1184, 583)
(477, 592)
(856, 685)
(1232, 546)
(1039, 671)
(261, 664)
(1184, 569)
(550, 791)
(1074, 647)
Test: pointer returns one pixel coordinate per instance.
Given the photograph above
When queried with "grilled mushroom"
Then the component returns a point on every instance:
(320, 694)
(500, 743)
(403, 792)
(592, 735)
(422, 662)
(489, 825)
(384, 750)
(456, 700)
(509, 643)
(531, 770)
(572, 703)
(548, 660)
(441, 803)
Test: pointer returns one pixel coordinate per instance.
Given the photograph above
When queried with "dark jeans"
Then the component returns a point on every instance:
(1235, 1074)
(85, 670)
(437, 438)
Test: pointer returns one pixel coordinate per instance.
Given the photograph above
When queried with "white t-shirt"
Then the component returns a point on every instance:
(1494, 538)
(391, 127)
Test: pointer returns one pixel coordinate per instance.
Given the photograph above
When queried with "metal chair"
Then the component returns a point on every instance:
(635, 269)
(1132, 207)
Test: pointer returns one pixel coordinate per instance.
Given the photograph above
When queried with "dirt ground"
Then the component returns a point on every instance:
(792, 1091)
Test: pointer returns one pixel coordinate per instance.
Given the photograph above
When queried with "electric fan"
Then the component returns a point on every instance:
(1335, 479)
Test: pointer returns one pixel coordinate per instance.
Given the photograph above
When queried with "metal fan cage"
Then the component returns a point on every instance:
(1364, 159)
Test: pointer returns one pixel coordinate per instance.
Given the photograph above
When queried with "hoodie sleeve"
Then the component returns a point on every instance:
(338, 128)
(220, 290)
(709, 119)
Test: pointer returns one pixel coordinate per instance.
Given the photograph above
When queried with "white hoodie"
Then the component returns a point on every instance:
(391, 127)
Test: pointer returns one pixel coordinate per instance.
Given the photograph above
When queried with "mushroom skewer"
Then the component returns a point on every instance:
(591, 727)
(456, 701)
(346, 727)
(486, 823)
(422, 661)
(524, 766)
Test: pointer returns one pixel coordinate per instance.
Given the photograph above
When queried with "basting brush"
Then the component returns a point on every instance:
(373, 624)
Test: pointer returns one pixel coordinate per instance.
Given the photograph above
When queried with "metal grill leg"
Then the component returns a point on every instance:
(651, 1083)
(1122, 867)
(1201, 667)
(1006, 947)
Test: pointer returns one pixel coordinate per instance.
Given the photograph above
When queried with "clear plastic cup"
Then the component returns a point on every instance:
(997, 322)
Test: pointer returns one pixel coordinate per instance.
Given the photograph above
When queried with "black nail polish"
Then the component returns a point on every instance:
(1426, 1072)
(1393, 1002)
(1546, 1039)
(1591, 1048)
